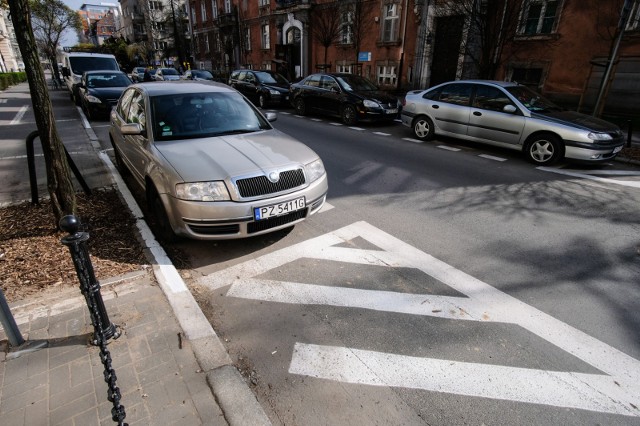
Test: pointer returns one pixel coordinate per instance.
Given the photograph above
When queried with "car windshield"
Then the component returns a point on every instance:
(354, 83)
(107, 80)
(169, 71)
(271, 78)
(533, 101)
(201, 115)
(81, 64)
(202, 74)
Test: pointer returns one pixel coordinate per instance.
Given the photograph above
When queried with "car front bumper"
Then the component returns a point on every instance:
(586, 152)
(232, 220)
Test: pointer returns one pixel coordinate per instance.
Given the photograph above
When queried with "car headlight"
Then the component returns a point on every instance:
(274, 92)
(315, 170)
(599, 136)
(93, 99)
(370, 104)
(203, 191)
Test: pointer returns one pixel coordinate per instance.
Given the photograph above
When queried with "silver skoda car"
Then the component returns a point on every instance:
(211, 164)
(513, 116)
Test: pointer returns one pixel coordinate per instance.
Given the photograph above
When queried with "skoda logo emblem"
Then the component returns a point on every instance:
(274, 177)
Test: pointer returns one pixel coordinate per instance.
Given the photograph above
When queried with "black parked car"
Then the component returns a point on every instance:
(262, 87)
(197, 75)
(348, 96)
(100, 90)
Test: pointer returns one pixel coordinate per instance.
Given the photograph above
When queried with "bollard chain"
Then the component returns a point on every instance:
(103, 328)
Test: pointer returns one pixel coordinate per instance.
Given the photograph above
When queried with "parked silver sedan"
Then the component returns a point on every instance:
(513, 116)
(211, 164)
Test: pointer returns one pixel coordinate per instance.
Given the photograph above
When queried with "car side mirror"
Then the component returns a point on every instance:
(132, 129)
(271, 116)
(509, 109)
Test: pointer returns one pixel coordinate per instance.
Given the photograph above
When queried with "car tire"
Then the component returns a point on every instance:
(349, 115)
(301, 108)
(161, 224)
(262, 101)
(423, 128)
(544, 149)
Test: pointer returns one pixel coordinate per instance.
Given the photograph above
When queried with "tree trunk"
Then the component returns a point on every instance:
(63, 197)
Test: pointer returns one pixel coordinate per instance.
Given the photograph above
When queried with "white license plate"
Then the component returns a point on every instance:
(617, 149)
(261, 213)
(392, 111)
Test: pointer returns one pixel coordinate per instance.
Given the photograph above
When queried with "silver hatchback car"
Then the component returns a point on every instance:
(510, 115)
(211, 164)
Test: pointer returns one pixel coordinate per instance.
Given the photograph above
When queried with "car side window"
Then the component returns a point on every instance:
(125, 101)
(328, 83)
(490, 98)
(137, 111)
(457, 94)
(242, 76)
(433, 95)
(313, 81)
(250, 78)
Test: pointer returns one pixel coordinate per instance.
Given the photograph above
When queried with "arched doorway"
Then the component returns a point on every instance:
(293, 41)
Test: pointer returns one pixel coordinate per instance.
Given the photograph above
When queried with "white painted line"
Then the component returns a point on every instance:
(316, 119)
(19, 115)
(560, 389)
(412, 140)
(382, 134)
(298, 116)
(491, 157)
(605, 172)
(587, 176)
(360, 129)
(336, 124)
(448, 148)
(615, 390)
(83, 118)
(285, 113)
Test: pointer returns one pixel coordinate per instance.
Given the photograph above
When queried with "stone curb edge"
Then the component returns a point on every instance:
(236, 400)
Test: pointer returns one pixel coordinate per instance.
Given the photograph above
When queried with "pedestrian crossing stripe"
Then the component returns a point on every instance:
(615, 391)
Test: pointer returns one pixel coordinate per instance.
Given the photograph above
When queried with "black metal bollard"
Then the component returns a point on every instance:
(89, 286)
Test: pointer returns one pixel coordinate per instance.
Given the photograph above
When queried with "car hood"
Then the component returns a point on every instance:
(279, 87)
(380, 97)
(107, 92)
(576, 119)
(222, 157)
(171, 77)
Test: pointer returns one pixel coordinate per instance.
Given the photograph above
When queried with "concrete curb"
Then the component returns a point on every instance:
(238, 403)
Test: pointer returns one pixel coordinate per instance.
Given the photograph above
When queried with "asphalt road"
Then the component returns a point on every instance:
(444, 284)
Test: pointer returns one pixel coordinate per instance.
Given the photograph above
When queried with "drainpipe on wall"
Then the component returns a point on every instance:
(421, 61)
(404, 36)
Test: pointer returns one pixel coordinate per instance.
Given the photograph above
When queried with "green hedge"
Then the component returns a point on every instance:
(11, 78)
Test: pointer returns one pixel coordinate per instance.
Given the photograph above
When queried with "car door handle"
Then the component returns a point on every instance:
(477, 113)
(435, 106)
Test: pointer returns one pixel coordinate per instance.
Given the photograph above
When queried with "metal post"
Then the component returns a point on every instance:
(89, 286)
(9, 323)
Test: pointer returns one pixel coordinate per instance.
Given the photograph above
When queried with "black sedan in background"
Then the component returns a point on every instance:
(262, 87)
(348, 96)
(100, 90)
(197, 75)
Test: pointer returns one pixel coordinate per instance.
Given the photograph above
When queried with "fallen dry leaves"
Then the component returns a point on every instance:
(33, 261)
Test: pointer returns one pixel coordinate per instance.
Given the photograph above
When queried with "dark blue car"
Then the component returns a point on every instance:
(100, 90)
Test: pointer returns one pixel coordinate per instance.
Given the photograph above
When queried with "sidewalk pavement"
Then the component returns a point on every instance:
(171, 366)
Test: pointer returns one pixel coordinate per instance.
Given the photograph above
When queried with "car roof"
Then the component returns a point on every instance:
(98, 55)
(493, 82)
(103, 72)
(182, 87)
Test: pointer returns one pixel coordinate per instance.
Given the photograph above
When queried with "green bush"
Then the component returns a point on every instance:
(11, 78)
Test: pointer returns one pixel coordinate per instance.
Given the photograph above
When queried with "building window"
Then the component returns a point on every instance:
(390, 23)
(247, 38)
(387, 75)
(539, 17)
(203, 12)
(344, 68)
(214, 9)
(531, 77)
(227, 6)
(265, 36)
(633, 24)
(206, 43)
(155, 5)
(346, 27)
(264, 2)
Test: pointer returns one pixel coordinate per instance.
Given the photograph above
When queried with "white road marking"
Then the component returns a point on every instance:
(616, 390)
(19, 115)
(491, 157)
(316, 119)
(588, 176)
(285, 113)
(448, 148)
(357, 128)
(335, 124)
(298, 116)
(412, 140)
(382, 134)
